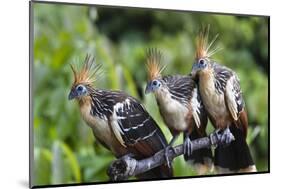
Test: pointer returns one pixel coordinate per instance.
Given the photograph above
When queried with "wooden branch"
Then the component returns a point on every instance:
(127, 166)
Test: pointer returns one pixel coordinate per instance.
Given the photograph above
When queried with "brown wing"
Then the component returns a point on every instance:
(243, 122)
(139, 132)
(235, 103)
(199, 113)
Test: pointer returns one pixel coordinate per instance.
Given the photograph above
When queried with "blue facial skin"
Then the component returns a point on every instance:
(152, 86)
(78, 91)
(199, 65)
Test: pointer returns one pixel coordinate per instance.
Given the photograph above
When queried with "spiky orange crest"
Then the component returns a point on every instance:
(88, 72)
(153, 63)
(204, 49)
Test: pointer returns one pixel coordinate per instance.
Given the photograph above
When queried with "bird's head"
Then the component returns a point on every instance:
(83, 79)
(200, 65)
(204, 51)
(153, 86)
(154, 69)
(79, 91)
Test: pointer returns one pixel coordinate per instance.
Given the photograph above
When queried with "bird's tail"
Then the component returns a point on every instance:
(202, 159)
(235, 157)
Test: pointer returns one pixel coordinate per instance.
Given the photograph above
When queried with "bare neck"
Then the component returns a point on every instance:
(85, 100)
(162, 95)
(206, 80)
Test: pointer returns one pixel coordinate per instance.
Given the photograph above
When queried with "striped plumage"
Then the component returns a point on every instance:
(180, 104)
(119, 122)
(181, 108)
(222, 97)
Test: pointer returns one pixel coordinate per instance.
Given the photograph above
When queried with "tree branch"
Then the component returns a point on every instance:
(127, 166)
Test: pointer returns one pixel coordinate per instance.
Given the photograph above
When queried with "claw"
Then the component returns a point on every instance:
(226, 137)
(187, 146)
(167, 157)
(215, 134)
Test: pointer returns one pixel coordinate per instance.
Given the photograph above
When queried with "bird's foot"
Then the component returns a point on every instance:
(214, 137)
(187, 146)
(226, 137)
(167, 155)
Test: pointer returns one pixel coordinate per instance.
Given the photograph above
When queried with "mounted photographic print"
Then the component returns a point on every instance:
(124, 94)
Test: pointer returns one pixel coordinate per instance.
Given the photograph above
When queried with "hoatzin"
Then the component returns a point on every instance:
(221, 94)
(181, 108)
(118, 121)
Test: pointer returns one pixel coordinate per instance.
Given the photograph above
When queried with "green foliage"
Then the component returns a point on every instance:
(65, 150)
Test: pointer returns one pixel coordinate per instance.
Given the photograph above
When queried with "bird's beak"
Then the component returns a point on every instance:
(148, 89)
(193, 74)
(72, 95)
(194, 71)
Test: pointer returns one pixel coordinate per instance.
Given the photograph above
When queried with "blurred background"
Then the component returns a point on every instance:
(65, 150)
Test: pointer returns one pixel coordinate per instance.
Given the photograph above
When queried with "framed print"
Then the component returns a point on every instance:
(126, 94)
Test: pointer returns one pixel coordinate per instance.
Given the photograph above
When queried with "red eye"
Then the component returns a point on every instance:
(79, 88)
(202, 61)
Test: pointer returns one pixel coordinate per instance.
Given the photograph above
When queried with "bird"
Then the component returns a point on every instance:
(181, 108)
(119, 121)
(223, 100)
